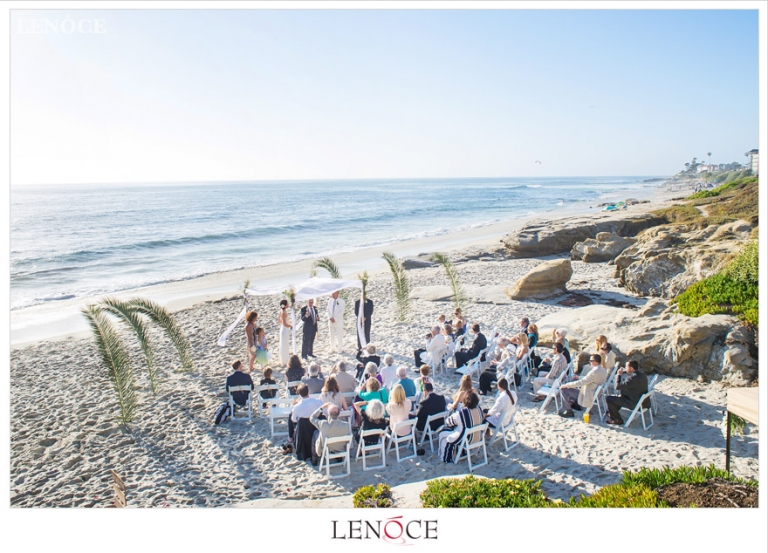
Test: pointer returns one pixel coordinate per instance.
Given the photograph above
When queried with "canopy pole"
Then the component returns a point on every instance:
(728, 441)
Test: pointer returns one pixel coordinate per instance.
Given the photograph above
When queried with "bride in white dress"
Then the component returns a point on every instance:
(285, 333)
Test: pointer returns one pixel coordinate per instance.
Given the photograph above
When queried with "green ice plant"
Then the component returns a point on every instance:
(136, 314)
(402, 288)
(459, 297)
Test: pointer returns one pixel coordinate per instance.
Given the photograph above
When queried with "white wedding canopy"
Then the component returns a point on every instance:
(313, 288)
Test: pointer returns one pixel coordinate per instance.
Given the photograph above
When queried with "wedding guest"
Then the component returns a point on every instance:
(399, 410)
(315, 380)
(250, 335)
(366, 355)
(268, 394)
(559, 364)
(373, 390)
(329, 427)
(459, 323)
(478, 345)
(506, 402)
(239, 378)
(372, 417)
(632, 384)
(388, 371)
(423, 378)
(332, 394)
(295, 372)
(580, 393)
(468, 416)
(431, 404)
(407, 384)
(533, 335)
(434, 346)
(465, 385)
(346, 381)
(262, 351)
(524, 322)
(302, 409)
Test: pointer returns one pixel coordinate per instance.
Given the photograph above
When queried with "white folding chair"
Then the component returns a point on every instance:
(428, 433)
(598, 399)
(329, 455)
(279, 409)
(652, 388)
(472, 368)
(507, 424)
(292, 384)
(436, 361)
(639, 407)
(474, 438)
(378, 448)
(234, 407)
(263, 403)
(398, 441)
(346, 414)
(610, 382)
(552, 392)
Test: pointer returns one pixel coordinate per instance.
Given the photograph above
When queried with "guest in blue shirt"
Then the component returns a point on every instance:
(406, 383)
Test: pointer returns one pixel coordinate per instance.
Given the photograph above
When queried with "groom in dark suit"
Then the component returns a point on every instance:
(309, 316)
(367, 314)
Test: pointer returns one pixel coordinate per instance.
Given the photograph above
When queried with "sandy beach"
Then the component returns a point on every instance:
(172, 455)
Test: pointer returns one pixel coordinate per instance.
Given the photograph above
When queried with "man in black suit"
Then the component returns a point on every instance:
(309, 316)
(367, 314)
(431, 404)
(480, 343)
(632, 384)
(239, 378)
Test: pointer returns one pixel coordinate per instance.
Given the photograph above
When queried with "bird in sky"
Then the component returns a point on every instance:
(537, 161)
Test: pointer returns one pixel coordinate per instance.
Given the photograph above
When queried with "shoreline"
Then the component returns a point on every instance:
(62, 320)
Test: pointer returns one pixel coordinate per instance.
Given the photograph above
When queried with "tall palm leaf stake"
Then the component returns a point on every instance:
(402, 288)
(459, 297)
(115, 358)
(134, 313)
(333, 270)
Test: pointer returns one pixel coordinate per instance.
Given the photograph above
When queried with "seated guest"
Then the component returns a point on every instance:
(608, 355)
(388, 371)
(489, 376)
(478, 345)
(332, 427)
(468, 416)
(268, 394)
(580, 393)
(315, 380)
(559, 365)
(295, 372)
(331, 394)
(346, 381)
(302, 409)
(533, 335)
(440, 320)
(373, 416)
(372, 371)
(434, 345)
(430, 404)
(364, 356)
(465, 386)
(524, 323)
(373, 390)
(459, 323)
(399, 409)
(405, 382)
(239, 378)
(423, 378)
(506, 402)
(632, 384)
(558, 336)
(450, 335)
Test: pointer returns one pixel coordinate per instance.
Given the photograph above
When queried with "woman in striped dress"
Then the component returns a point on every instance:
(468, 416)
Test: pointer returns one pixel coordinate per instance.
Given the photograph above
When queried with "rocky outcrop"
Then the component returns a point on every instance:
(545, 280)
(603, 247)
(473, 294)
(666, 260)
(540, 238)
(416, 263)
(710, 347)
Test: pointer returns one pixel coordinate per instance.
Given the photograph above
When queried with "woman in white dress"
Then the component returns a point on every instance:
(285, 333)
(506, 402)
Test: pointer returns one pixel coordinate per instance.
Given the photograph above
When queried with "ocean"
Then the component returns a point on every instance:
(77, 241)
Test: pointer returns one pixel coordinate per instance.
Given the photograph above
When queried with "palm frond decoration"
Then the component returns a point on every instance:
(160, 316)
(459, 297)
(125, 312)
(402, 288)
(364, 279)
(114, 356)
(327, 264)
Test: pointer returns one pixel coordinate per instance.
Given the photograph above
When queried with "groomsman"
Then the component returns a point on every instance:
(309, 316)
(367, 314)
(336, 322)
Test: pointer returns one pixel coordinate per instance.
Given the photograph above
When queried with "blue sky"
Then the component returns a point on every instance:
(183, 95)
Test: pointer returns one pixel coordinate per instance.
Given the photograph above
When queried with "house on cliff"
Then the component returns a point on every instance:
(753, 161)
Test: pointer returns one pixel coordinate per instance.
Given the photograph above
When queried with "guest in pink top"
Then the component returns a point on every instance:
(399, 409)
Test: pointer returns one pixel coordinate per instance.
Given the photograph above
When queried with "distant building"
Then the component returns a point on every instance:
(704, 167)
(753, 161)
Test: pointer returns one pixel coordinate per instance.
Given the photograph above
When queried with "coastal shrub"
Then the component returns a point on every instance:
(656, 478)
(483, 493)
(680, 213)
(372, 497)
(734, 290)
(619, 496)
